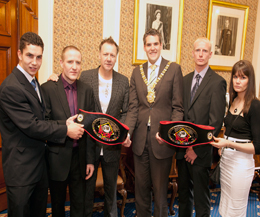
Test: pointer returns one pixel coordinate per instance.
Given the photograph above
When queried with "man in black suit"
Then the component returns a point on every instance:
(72, 162)
(24, 132)
(111, 91)
(204, 103)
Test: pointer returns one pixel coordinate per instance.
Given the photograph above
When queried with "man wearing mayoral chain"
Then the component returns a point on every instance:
(155, 94)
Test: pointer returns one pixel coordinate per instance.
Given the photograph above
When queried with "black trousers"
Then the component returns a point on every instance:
(151, 172)
(76, 190)
(30, 200)
(193, 188)
(110, 173)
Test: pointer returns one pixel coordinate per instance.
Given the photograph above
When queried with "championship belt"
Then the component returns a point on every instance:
(102, 127)
(185, 134)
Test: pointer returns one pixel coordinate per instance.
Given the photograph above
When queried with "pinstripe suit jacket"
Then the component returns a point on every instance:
(117, 107)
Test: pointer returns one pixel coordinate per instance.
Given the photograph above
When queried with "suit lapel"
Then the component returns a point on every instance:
(42, 98)
(203, 84)
(145, 68)
(95, 87)
(188, 89)
(62, 97)
(23, 80)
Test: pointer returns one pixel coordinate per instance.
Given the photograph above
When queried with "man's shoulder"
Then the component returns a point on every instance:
(120, 76)
(82, 85)
(215, 76)
(89, 72)
(173, 66)
(11, 80)
(86, 75)
(48, 85)
(189, 75)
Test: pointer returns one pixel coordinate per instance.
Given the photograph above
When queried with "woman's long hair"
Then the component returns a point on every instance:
(243, 67)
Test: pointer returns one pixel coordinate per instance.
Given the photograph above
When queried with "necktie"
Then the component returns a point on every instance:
(33, 83)
(72, 109)
(71, 100)
(151, 81)
(152, 77)
(195, 87)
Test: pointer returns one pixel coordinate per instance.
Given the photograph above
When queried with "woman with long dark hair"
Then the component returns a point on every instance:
(241, 141)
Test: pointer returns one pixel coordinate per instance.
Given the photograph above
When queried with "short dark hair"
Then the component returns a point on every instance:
(244, 67)
(69, 47)
(30, 38)
(152, 32)
(109, 40)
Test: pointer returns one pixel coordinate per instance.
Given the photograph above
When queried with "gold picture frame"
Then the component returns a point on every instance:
(171, 14)
(226, 29)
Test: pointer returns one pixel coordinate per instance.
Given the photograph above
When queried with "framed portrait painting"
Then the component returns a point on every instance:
(164, 15)
(227, 25)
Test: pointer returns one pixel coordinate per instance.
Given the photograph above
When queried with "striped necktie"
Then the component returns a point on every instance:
(152, 77)
(195, 87)
(33, 83)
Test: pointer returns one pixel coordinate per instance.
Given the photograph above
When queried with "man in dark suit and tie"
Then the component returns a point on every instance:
(72, 162)
(24, 132)
(111, 91)
(204, 103)
(155, 94)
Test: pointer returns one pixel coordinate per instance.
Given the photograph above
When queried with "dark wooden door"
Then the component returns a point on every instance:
(16, 18)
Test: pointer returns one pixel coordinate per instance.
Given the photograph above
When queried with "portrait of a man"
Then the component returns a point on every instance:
(226, 36)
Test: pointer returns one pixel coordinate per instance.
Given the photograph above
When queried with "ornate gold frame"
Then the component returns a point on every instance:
(136, 61)
(233, 6)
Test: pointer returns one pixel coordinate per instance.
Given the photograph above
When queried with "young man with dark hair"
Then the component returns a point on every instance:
(24, 132)
(156, 94)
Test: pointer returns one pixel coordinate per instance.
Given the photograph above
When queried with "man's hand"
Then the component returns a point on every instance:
(71, 120)
(190, 155)
(158, 138)
(75, 131)
(53, 77)
(89, 171)
(127, 142)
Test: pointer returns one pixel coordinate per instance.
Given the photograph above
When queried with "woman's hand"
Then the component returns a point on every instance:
(219, 142)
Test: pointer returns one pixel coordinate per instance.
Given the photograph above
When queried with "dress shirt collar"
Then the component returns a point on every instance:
(157, 63)
(66, 84)
(26, 74)
(202, 73)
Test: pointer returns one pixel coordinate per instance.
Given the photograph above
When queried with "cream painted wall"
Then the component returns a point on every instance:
(111, 21)
(45, 30)
(111, 27)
